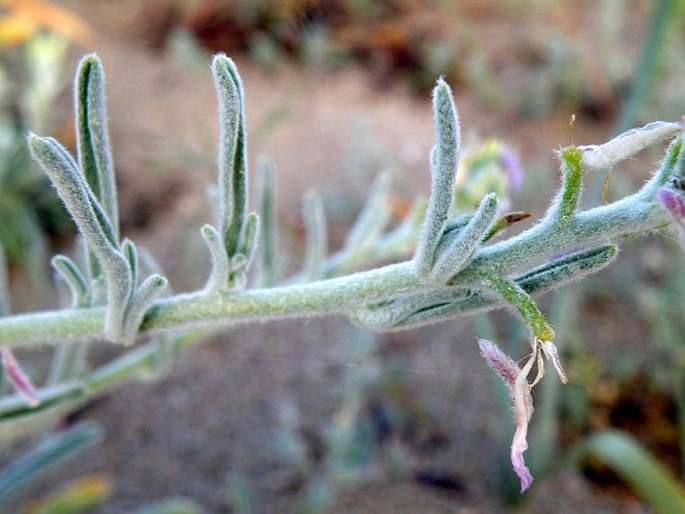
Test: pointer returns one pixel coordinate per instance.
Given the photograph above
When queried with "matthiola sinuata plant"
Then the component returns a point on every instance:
(457, 267)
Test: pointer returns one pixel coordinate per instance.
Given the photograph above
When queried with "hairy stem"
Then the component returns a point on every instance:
(630, 216)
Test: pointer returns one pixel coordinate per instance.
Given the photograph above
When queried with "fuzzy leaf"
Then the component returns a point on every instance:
(232, 151)
(72, 276)
(316, 235)
(151, 289)
(374, 217)
(443, 162)
(452, 259)
(94, 152)
(218, 278)
(128, 249)
(248, 238)
(91, 220)
(267, 215)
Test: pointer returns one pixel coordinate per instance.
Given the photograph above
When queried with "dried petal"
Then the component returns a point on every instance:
(518, 446)
(506, 368)
(626, 145)
(550, 351)
(18, 378)
(523, 410)
(516, 380)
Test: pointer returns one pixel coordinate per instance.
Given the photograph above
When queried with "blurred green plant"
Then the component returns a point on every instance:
(348, 441)
(170, 506)
(377, 430)
(645, 475)
(483, 168)
(26, 472)
(664, 310)
(76, 497)
(26, 198)
(667, 17)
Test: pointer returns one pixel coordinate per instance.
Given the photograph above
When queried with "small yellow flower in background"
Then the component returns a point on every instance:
(78, 496)
(21, 19)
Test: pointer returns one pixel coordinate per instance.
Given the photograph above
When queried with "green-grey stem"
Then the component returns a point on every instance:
(633, 215)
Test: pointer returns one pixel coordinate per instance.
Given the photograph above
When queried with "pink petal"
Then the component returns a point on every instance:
(523, 410)
(519, 445)
(512, 165)
(506, 368)
(19, 379)
(674, 203)
(516, 380)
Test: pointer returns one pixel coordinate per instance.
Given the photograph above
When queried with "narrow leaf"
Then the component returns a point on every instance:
(232, 151)
(25, 472)
(151, 289)
(566, 269)
(316, 235)
(248, 238)
(566, 201)
(72, 276)
(91, 220)
(395, 313)
(645, 475)
(94, 151)
(128, 249)
(64, 174)
(451, 259)
(268, 232)
(218, 278)
(374, 217)
(443, 162)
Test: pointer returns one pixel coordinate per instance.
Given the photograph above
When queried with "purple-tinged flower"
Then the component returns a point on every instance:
(501, 364)
(523, 410)
(674, 203)
(511, 163)
(18, 378)
(516, 380)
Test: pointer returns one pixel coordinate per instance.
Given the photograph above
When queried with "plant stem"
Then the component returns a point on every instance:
(630, 216)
